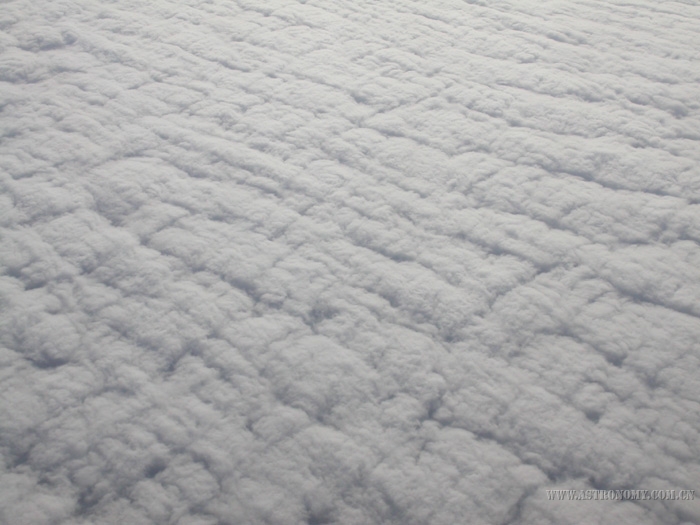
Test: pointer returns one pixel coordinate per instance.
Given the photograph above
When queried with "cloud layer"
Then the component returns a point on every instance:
(358, 262)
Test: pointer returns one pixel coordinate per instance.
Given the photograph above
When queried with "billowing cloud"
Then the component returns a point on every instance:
(359, 262)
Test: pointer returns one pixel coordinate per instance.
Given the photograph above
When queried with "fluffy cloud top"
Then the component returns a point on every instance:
(308, 262)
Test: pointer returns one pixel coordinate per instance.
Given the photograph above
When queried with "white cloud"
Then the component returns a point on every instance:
(351, 263)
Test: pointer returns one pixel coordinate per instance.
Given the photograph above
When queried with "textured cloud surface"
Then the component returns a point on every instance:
(349, 262)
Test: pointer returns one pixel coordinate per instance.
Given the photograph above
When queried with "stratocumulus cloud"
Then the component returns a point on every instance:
(312, 262)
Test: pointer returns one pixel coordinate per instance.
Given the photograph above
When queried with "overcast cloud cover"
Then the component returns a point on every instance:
(348, 262)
